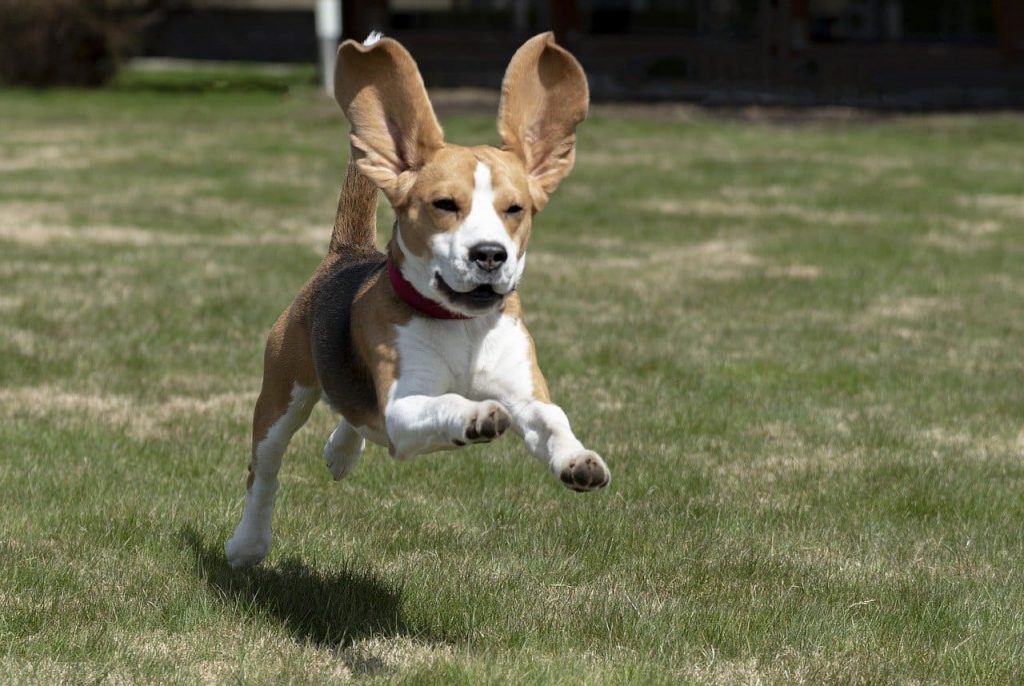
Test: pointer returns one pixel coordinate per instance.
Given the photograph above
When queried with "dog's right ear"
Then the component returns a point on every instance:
(394, 130)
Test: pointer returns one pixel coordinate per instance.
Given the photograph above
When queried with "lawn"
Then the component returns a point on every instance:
(798, 345)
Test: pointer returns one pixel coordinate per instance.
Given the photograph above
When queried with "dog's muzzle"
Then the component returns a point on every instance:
(480, 298)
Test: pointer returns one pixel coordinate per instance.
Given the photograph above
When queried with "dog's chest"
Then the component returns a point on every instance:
(482, 358)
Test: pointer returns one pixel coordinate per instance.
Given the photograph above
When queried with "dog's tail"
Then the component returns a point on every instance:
(355, 223)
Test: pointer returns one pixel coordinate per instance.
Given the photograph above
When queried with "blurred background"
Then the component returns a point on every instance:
(902, 54)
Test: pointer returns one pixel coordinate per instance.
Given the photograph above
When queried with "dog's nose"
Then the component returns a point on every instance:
(488, 256)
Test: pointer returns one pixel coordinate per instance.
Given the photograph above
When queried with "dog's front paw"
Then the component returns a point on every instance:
(584, 471)
(485, 422)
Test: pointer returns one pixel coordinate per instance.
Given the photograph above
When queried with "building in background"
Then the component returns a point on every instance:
(898, 53)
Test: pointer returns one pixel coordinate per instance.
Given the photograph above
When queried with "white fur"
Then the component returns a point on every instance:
(449, 251)
(373, 38)
(546, 432)
(251, 540)
(343, 450)
(451, 370)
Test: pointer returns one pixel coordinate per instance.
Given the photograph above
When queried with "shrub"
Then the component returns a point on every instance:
(70, 42)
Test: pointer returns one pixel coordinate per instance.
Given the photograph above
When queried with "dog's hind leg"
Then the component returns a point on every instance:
(289, 393)
(343, 450)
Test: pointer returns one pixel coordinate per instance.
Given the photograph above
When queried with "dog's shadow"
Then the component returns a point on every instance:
(326, 609)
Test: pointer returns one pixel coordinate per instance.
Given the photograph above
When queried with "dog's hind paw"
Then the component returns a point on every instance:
(342, 450)
(585, 471)
(243, 552)
(340, 464)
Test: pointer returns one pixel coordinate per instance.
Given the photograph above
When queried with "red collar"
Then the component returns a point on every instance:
(407, 292)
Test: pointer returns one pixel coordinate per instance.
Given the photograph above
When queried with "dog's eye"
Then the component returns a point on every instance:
(446, 205)
(513, 209)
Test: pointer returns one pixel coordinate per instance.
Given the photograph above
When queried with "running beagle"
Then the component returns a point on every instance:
(424, 348)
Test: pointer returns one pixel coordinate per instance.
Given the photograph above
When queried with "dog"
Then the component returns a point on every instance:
(424, 348)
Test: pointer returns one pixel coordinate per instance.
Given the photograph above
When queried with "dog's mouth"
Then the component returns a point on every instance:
(482, 297)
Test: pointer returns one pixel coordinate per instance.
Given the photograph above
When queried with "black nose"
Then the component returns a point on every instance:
(488, 256)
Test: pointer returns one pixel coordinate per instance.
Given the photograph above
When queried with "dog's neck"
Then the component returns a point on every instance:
(408, 293)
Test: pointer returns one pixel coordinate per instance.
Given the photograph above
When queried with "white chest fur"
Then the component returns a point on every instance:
(483, 358)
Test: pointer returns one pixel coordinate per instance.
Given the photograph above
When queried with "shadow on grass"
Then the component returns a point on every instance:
(326, 609)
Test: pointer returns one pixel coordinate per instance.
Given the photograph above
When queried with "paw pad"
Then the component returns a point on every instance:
(489, 422)
(586, 472)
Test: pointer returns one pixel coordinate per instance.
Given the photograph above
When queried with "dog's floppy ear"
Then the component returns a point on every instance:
(394, 130)
(543, 97)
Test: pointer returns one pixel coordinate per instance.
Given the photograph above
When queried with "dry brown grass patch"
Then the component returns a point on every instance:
(803, 272)
(43, 224)
(901, 313)
(656, 267)
(1010, 206)
(138, 419)
(737, 209)
(387, 655)
(59, 157)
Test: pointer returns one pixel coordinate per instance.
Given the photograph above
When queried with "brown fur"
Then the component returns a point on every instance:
(355, 222)
(544, 96)
(287, 360)
(514, 309)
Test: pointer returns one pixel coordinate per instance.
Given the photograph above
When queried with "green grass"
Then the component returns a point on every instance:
(799, 348)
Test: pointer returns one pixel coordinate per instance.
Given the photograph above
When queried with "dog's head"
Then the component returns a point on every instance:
(463, 213)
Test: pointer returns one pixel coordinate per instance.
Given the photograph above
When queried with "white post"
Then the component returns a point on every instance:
(893, 19)
(328, 32)
(520, 14)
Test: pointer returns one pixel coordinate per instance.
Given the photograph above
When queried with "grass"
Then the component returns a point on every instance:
(798, 348)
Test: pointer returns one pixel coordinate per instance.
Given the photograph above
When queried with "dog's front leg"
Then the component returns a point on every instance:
(419, 424)
(546, 432)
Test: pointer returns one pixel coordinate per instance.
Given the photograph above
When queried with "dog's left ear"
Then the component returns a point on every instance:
(543, 97)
